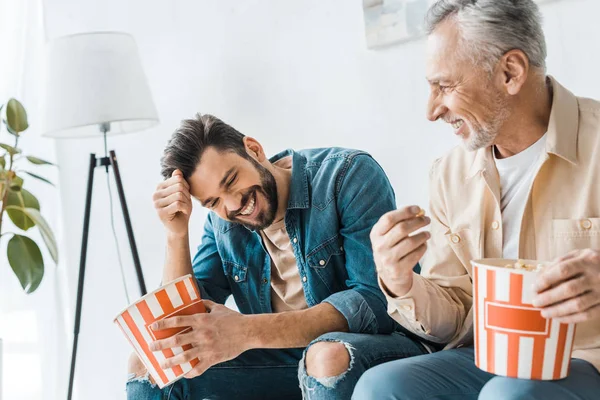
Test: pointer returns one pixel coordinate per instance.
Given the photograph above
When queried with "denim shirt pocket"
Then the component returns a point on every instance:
(237, 276)
(323, 261)
(322, 256)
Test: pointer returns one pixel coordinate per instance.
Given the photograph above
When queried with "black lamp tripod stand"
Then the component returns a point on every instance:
(105, 161)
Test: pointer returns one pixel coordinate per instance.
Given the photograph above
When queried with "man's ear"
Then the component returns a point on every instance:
(254, 149)
(514, 68)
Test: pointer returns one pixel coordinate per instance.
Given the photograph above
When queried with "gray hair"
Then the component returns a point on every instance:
(490, 28)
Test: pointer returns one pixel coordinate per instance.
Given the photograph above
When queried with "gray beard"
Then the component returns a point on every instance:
(485, 136)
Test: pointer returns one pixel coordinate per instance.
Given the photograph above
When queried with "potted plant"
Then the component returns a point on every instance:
(19, 205)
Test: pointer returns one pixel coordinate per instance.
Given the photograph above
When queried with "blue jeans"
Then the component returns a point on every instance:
(276, 374)
(452, 375)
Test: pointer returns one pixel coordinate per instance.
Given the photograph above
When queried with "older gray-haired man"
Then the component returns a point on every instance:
(526, 184)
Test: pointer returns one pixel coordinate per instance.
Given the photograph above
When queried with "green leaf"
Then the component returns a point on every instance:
(9, 129)
(11, 150)
(2, 163)
(38, 177)
(38, 161)
(45, 230)
(21, 199)
(16, 116)
(16, 183)
(25, 259)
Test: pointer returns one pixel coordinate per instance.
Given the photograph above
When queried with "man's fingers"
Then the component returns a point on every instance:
(557, 273)
(411, 243)
(561, 292)
(574, 305)
(588, 315)
(176, 207)
(171, 181)
(198, 370)
(174, 188)
(404, 265)
(179, 321)
(569, 255)
(390, 219)
(414, 256)
(172, 198)
(173, 341)
(181, 358)
(403, 229)
(209, 304)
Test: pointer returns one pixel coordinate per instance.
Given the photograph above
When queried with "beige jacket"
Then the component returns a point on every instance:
(562, 214)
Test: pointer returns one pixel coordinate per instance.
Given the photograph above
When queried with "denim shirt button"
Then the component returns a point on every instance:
(304, 279)
(265, 281)
(237, 278)
(295, 240)
(322, 262)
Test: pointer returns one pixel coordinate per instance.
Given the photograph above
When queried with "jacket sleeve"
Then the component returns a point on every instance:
(364, 195)
(436, 306)
(208, 268)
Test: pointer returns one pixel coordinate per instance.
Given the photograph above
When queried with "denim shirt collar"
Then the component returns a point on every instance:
(299, 185)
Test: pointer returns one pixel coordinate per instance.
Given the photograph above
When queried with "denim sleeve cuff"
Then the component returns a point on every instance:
(357, 311)
(203, 293)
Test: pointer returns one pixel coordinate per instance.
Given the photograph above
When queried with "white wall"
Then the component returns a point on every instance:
(291, 73)
(29, 324)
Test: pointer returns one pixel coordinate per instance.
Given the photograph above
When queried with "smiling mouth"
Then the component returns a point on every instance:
(249, 208)
(457, 124)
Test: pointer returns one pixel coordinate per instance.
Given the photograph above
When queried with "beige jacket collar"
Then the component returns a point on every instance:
(563, 129)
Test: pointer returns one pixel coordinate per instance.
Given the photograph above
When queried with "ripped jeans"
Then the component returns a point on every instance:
(263, 374)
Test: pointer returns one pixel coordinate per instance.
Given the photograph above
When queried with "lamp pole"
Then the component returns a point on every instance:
(110, 159)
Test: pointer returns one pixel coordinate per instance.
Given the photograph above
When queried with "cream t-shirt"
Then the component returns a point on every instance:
(287, 292)
(286, 287)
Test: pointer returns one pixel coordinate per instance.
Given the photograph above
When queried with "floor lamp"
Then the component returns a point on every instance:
(95, 86)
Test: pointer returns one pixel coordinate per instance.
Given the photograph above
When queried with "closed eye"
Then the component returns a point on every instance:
(231, 180)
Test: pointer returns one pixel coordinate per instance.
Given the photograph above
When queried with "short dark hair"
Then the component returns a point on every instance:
(193, 137)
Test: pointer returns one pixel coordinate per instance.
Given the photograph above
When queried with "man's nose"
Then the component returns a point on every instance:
(435, 108)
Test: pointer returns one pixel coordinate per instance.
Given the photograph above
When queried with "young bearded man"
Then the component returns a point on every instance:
(288, 237)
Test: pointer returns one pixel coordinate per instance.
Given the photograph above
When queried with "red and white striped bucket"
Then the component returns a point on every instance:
(511, 337)
(179, 297)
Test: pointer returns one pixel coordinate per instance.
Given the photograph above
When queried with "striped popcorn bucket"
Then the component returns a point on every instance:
(511, 337)
(179, 297)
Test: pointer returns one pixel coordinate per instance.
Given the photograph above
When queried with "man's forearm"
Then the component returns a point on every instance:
(178, 261)
(293, 328)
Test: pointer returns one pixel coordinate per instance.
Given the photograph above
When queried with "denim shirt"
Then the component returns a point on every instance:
(336, 196)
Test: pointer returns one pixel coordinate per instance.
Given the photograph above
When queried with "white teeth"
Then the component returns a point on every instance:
(458, 124)
(249, 208)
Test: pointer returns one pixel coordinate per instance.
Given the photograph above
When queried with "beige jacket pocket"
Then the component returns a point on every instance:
(575, 234)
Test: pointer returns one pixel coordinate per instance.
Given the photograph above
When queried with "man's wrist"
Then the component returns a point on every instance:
(177, 237)
(250, 329)
(398, 290)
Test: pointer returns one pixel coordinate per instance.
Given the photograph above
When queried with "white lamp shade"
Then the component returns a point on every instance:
(92, 79)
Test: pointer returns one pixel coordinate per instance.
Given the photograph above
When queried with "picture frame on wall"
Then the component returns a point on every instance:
(391, 22)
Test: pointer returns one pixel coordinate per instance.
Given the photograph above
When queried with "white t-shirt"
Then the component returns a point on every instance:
(516, 178)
